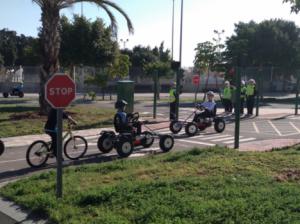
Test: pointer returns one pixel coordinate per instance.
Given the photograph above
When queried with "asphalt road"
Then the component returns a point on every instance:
(13, 163)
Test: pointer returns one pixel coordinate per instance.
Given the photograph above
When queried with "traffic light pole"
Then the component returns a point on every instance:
(177, 92)
(237, 108)
(155, 95)
(297, 93)
(259, 91)
(59, 154)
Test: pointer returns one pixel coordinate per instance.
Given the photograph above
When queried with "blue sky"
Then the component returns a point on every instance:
(152, 19)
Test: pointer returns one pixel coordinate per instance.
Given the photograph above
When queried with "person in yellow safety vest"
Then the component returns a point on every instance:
(243, 96)
(250, 95)
(227, 97)
(172, 100)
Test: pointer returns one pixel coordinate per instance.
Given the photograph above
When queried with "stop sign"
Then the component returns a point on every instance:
(60, 90)
(196, 79)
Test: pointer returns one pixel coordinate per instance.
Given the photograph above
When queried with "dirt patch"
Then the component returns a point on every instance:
(288, 175)
(32, 115)
(26, 115)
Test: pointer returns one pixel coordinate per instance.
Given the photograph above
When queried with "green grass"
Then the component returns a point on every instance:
(23, 119)
(214, 185)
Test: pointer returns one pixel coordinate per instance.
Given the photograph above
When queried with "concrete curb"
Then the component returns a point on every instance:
(10, 213)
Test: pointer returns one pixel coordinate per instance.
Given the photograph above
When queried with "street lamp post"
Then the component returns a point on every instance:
(173, 29)
(124, 41)
(180, 71)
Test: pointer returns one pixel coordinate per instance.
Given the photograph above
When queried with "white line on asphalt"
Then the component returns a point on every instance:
(223, 139)
(10, 161)
(294, 126)
(166, 132)
(91, 137)
(241, 140)
(274, 127)
(213, 137)
(290, 134)
(196, 142)
(255, 128)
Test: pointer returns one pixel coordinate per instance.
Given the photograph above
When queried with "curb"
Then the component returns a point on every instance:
(10, 213)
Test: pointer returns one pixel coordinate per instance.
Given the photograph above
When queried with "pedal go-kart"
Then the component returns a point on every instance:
(2, 147)
(14, 91)
(198, 124)
(125, 143)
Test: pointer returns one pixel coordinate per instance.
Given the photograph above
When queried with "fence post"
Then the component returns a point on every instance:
(259, 89)
(155, 95)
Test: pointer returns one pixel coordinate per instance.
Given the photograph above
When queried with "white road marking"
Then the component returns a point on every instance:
(294, 126)
(10, 161)
(213, 137)
(274, 127)
(224, 139)
(255, 128)
(195, 142)
(241, 140)
(91, 137)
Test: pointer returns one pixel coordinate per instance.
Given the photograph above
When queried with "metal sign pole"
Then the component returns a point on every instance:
(237, 108)
(59, 154)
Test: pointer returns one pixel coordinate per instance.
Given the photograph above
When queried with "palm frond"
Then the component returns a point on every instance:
(103, 4)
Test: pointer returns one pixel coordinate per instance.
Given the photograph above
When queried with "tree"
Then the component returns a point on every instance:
(205, 57)
(269, 43)
(8, 46)
(86, 42)
(295, 5)
(51, 38)
(119, 69)
(159, 64)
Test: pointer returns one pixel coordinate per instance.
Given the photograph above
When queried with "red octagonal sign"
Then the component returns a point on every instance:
(60, 91)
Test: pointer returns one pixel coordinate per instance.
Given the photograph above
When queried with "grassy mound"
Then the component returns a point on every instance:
(215, 185)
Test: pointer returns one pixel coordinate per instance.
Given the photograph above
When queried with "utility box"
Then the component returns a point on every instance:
(125, 91)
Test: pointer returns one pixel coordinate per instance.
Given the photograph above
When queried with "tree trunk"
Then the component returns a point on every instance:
(50, 37)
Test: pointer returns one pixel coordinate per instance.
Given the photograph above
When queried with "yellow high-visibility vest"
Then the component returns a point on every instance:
(227, 93)
(250, 90)
(172, 97)
(243, 92)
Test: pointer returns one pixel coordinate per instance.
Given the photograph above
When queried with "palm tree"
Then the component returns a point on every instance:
(50, 35)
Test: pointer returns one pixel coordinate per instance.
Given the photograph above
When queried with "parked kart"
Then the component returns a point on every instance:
(192, 127)
(125, 143)
(14, 91)
(2, 147)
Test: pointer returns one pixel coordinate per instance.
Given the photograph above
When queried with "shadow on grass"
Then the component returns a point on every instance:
(15, 101)
(19, 109)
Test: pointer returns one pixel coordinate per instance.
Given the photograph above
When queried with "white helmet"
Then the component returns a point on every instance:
(252, 81)
(243, 82)
(227, 83)
(210, 93)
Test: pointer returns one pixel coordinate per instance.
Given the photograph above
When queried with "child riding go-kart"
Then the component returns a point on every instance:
(204, 117)
(130, 135)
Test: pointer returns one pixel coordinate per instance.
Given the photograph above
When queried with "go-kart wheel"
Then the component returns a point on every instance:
(148, 139)
(1, 147)
(106, 142)
(219, 125)
(21, 94)
(191, 129)
(175, 127)
(124, 147)
(5, 95)
(166, 143)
